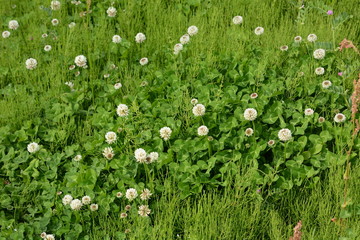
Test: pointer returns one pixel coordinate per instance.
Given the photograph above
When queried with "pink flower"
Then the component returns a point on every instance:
(340, 74)
(330, 12)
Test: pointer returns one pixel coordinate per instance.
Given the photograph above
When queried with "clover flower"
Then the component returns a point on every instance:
(284, 134)
(13, 24)
(250, 114)
(127, 208)
(237, 20)
(117, 86)
(308, 112)
(131, 194)
(122, 110)
(123, 215)
(44, 35)
(199, 110)
(80, 61)
(86, 200)
(144, 61)
(153, 156)
(192, 30)
(31, 63)
(177, 48)
(319, 53)
(5, 34)
(94, 207)
(203, 131)
(326, 84)
(140, 37)
(77, 158)
(110, 137)
(43, 235)
(297, 39)
(67, 199)
(194, 101)
(284, 48)
(108, 153)
(165, 133)
(47, 48)
(319, 71)
(249, 132)
(55, 22)
(184, 39)
(144, 210)
(76, 204)
(50, 237)
(312, 37)
(259, 30)
(271, 143)
(140, 155)
(116, 39)
(119, 194)
(55, 5)
(72, 24)
(339, 118)
(321, 119)
(111, 12)
(33, 147)
(145, 194)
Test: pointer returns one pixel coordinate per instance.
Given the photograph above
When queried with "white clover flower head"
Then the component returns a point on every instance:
(203, 130)
(111, 12)
(76, 204)
(44, 35)
(77, 158)
(271, 143)
(326, 84)
(31, 63)
(140, 155)
(33, 147)
(67, 199)
(5, 34)
(86, 200)
(13, 24)
(108, 153)
(72, 24)
(72, 67)
(249, 132)
(140, 37)
(312, 37)
(284, 48)
(80, 61)
(144, 61)
(94, 207)
(131, 194)
(259, 30)
(284, 134)
(185, 39)
(122, 110)
(339, 118)
(165, 133)
(117, 86)
(177, 48)
(119, 194)
(194, 101)
(237, 20)
(55, 5)
(70, 85)
(123, 215)
(154, 156)
(319, 53)
(297, 39)
(321, 119)
(107, 75)
(43, 235)
(199, 110)
(145, 194)
(75, 2)
(77, 73)
(50, 237)
(127, 231)
(319, 71)
(301, 74)
(144, 210)
(143, 83)
(116, 39)
(192, 30)
(254, 95)
(47, 48)
(250, 114)
(55, 22)
(308, 112)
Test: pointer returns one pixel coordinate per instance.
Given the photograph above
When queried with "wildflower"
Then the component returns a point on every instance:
(339, 118)
(55, 5)
(31, 63)
(55, 22)
(140, 37)
(47, 48)
(143, 83)
(203, 131)
(194, 101)
(297, 232)
(43, 235)
(119, 194)
(165, 133)
(145, 194)
(67, 199)
(111, 12)
(250, 114)
(94, 207)
(123, 215)
(298, 39)
(329, 12)
(131, 194)
(33, 147)
(44, 35)
(72, 24)
(108, 153)
(237, 20)
(6, 34)
(77, 158)
(254, 95)
(185, 39)
(259, 30)
(199, 110)
(117, 86)
(326, 84)
(122, 110)
(321, 119)
(192, 30)
(154, 156)
(309, 112)
(107, 75)
(319, 53)
(312, 37)
(177, 48)
(140, 155)
(144, 210)
(70, 85)
(72, 67)
(80, 61)
(284, 48)
(127, 230)
(284, 134)
(249, 132)
(210, 138)
(319, 71)
(59, 193)
(301, 74)
(86, 200)
(144, 61)
(340, 74)
(271, 143)
(49, 237)
(116, 39)
(76, 204)
(127, 208)
(13, 24)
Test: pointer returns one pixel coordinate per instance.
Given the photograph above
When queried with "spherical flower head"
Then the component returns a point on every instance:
(122, 110)
(249, 132)
(86, 200)
(250, 114)
(116, 39)
(194, 101)
(131, 194)
(13, 24)
(31, 63)
(108, 153)
(5, 34)
(284, 134)
(145, 194)
(144, 83)
(144, 61)
(33, 147)
(77, 158)
(43, 235)
(297, 39)
(119, 194)
(54, 22)
(47, 48)
(76, 204)
(326, 84)
(319, 71)
(321, 119)
(199, 110)
(80, 61)
(127, 208)
(67, 199)
(44, 35)
(312, 37)
(237, 20)
(177, 48)
(127, 231)
(140, 37)
(94, 207)
(111, 12)
(55, 5)
(165, 133)
(123, 215)
(185, 39)
(259, 30)
(254, 95)
(154, 156)
(192, 30)
(117, 86)
(110, 137)
(140, 155)
(70, 84)
(308, 112)
(72, 67)
(50, 237)
(340, 74)
(319, 53)
(329, 12)
(284, 48)
(72, 24)
(271, 143)
(339, 118)
(144, 210)
(203, 130)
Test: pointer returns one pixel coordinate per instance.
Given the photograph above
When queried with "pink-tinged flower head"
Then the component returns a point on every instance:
(340, 74)
(330, 12)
